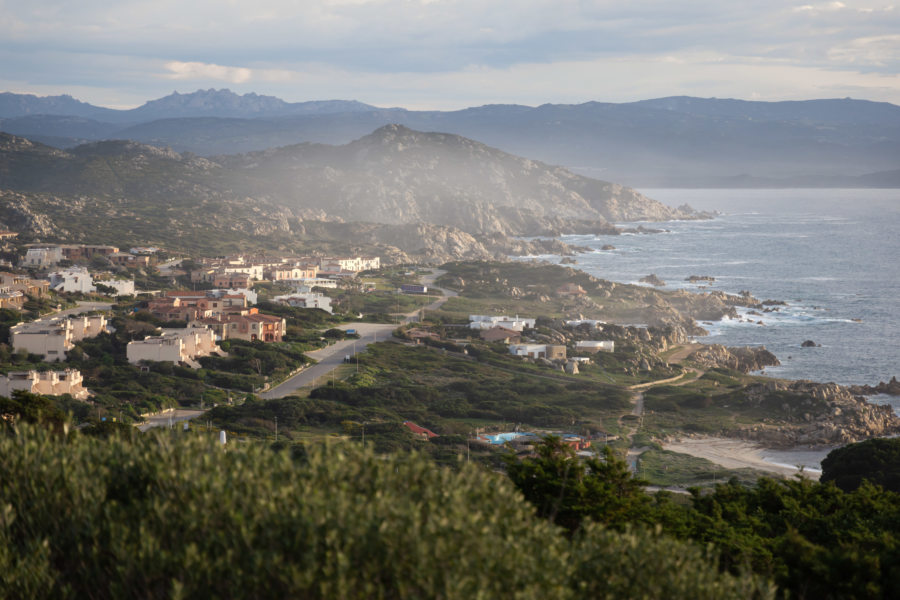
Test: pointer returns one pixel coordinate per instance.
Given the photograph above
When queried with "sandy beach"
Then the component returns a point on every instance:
(733, 454)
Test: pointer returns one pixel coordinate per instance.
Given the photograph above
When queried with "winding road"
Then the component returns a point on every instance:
(331, 357)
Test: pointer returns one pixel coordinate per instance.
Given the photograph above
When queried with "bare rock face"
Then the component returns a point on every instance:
(18, 215)
(817, 414)
(891, 388)
(743, 359)
(653, 280)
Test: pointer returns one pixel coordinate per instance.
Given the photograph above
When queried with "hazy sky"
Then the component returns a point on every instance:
(451, 53)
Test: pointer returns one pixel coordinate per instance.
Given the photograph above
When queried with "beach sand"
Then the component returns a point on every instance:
(733, 454)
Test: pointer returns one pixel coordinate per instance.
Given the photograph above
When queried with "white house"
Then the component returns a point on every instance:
(175, 346)
(489, 322)
(594, 346)
(72, 280)
(53, 337)
(123, 287)
(42, 257)
(250, 296)
(307, 300)
(319, 282)
(596, 323)
(46, 383)
(254, 271)
(548, 351)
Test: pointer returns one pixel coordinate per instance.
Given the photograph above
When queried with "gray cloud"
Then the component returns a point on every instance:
(382, 49)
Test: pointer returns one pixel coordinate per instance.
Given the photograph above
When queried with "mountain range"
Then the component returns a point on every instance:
(677, 141)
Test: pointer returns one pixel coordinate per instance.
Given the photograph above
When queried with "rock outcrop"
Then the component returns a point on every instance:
(813, 414)
(744, 359)
(891, 388)
(653, 280)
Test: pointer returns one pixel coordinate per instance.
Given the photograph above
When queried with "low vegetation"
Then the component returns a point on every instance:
(162, 516)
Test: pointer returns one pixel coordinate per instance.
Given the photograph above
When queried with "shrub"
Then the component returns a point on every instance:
(176, 515)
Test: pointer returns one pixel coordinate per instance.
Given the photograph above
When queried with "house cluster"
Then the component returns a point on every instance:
(53, 337)
(45, 383)
(44, 256)
(14, 289)
(180, 346)
(509, 331)
(241, 271)
(226, 313)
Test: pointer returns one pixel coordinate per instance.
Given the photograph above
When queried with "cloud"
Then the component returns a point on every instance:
(877, 51)
(205, 71)
(339, 48)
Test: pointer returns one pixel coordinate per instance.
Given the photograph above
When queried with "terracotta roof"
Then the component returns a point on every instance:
(419, 430)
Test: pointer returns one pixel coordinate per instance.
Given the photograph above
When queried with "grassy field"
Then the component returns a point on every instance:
(671, 469)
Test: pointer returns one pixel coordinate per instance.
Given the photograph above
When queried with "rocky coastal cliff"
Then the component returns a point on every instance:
(816, 414)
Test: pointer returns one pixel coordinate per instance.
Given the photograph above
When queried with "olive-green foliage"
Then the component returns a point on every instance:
(428, 385)
(179, 516)
(608, 561)
(875, 460)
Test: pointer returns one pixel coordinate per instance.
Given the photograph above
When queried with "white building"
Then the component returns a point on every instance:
(123, 287)
(52, 338)
(548, 351)
(254, 271)
(175, 346)
(319, 282)
(307, 300)
(250, 296)
(46, 383)
(369, 263)
(72, 280)
(597, 324)
(43, 257)
(489, 322)
(594, 346)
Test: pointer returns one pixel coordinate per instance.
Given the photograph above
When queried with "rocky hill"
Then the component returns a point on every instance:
(394, 176)
(397, 175)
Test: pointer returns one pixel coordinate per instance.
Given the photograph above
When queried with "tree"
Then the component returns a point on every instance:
(876, 460)
(568, 490)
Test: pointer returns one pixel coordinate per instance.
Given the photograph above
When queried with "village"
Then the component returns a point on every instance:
(221, 305)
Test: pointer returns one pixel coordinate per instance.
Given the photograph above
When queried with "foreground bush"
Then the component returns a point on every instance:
(164, 516)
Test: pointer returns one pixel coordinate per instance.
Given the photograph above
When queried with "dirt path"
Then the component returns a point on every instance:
(682, 353)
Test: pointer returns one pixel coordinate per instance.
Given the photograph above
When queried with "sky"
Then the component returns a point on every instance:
(450, 54)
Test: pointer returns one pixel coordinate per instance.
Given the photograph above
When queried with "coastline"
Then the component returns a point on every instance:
(737, 454)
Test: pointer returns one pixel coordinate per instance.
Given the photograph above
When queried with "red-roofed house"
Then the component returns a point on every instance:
(420, 432)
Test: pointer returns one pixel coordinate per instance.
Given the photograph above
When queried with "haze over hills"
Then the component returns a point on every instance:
(394, 177)
(678, 141)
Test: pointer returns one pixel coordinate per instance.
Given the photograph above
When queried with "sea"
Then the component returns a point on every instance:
(833, 255)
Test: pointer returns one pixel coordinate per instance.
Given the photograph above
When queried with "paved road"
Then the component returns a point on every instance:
(333, 356)
(170, 418)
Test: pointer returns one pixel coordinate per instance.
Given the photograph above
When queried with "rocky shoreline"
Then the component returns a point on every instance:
(818, 414)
